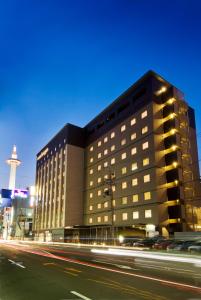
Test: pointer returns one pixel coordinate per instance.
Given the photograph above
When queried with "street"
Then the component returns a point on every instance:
(52, 272)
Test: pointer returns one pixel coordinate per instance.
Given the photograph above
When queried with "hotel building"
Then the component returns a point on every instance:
(133, 168)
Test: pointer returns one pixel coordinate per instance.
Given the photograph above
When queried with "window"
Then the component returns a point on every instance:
(99, 192)
(124, 200)
(112, 148)
(123, 156)
(136, 215)
(91, 183)
(90, 220)
(113, 188)
(106, 139)
(99, 143)
(147, 196)
(144, 114)
(99, 167)
(134, 166)
(99, 205)
(91, 195)
(91, 171)
(105, 218)
(112, 161)
(105, 152)
(91, 149)
(148, 213)
(91, 160)
(124, 216)
(112, 135)
(135, 198)
(133, 121)
(99, 179)
(147, 178)
(124, 185)
(145, 161)
(133, 136)
(114, 218)
(145, 145)
(99, 155)
(106, 176)
(123, 170)
(134, 182)
(98, 219)
(123, 142)
(133, 151)
(105, 204)
(123, 128)
(91, 207)
(113, 202)
(144, 129)
(105, 164)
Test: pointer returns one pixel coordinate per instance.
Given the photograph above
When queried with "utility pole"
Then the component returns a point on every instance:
(110, 182)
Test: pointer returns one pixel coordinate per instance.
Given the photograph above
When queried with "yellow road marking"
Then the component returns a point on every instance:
(70, 273)
(50, 263)
(74, 270)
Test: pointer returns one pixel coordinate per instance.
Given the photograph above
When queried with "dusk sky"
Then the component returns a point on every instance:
(65, 61)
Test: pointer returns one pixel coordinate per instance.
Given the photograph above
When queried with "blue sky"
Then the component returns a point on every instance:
(64, 61)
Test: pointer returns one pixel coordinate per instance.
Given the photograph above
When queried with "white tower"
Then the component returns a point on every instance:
(14, 163)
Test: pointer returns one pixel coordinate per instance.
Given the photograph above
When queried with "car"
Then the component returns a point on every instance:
(162, 244)
(196, 247)
(148, 242)
(174, 244)
(183, 246)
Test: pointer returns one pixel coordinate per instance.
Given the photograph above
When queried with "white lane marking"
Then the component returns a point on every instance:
(80, 295)
(16, 263)
(116, 265)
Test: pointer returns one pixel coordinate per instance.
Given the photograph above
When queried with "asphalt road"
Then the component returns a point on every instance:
(40, 272)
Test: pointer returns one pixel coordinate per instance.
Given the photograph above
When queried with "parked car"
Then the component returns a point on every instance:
(148, 242)
(174, 244)
(183, 246)
(196, 247)
(162, 244)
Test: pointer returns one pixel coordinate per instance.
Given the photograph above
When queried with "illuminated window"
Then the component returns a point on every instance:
(124, 216)
(133, 121)
(99, 179)
(99, 205)
(105, 204)
(99, 155)
(145, 145)
(135, 198)
(123, 128)
(112, 148)
(114, 218)
(144, 129)
(105, 152)
(99, 167)
(91, 171)
(144, 114)
(147, 196)
(91, 149)
(98, 219)
(124, 185)
(113, 188)
(99, 143)
(91, 207)
(133, 151)
(136, 215)
(148, 213)
(91, 183)
(123, 156)
(90, 220)
(134, 166)
(91, 159)
(99, 192)
(105, 164)
(133, 136)
(91, 195)
(123, 142)
(123, 170)
(112, 135)
(105, 218)
(113, 202)
(124, 200)
(134, 182)
(146, 161)
(106, 139)
(112, 161)
(106, 176)
(147, 178)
